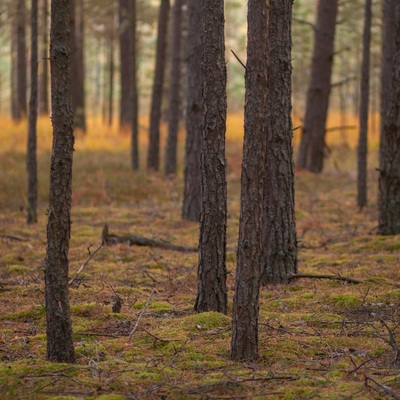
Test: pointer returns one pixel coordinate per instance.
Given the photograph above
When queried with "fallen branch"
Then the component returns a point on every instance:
(385, 388)
(11, 237)
(132, 240)
(333, 277)
(141, 314)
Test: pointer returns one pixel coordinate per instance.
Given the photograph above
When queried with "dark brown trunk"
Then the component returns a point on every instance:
(389, 170)
(362, 152)
(21, 60)
(194, 101)
(110, 80)
(134, 93)
(60, 346)
(125, 43)
(212, 292)
(279, 237)
(44, 63)
(153, 155)
(15, 113)
(244, 346)
(174, 91)
(33, 104)
(312, 145)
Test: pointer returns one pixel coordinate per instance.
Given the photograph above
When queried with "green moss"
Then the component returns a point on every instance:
(346, 300)
(308, 296)
(111, 397)
(156, 306)
(32, 314)
(206, 320)
(90, 310)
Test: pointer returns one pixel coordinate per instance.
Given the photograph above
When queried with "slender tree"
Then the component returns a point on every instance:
(244, 346)
(364, 103)
(44, 65)
(110, 100)
(212, 292)
(174, 90)
(33, 108)
(153, 155)
(312, 145)
(279, 237)
(21, 59)
(389, 169)
(60, 346)
(194, 100)
(134, 92)
(15, 112)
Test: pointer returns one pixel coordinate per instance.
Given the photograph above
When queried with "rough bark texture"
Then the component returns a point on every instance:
(244, 346)
(279, 237)
(44, 63)
(194, 101)
(33, 104)
(212, 292)
(174, 90)
(21, 60)
(110, 80)
(153, 156)
(134, 93)
(60, 346)
(125, 43)
(312, 145)
(389, 170)
(15, 113)
(77, 67)
(362, 151)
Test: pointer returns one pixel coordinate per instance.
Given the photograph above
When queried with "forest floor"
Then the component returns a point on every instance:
(319, 338)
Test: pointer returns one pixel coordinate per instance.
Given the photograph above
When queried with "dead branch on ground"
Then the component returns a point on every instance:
(333, 277)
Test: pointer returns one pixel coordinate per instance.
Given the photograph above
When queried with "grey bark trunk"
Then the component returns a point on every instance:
(362, 151)
(33, 108)
(212, 292)
(244, 346)
(60, 346)
(279, 237)
(15, 113)
(134, 93)
(44, 63)
(174, 92)
(312, 145)
(21, 60)
(194, 102)
(110, 99)
(153, 155)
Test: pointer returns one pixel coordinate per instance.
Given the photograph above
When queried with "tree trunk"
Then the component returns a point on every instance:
(312, 145)
(60, 346)
(33, 108)
(153, 155)
(389, 170)
(134, 93)
(194, 100)
(244, 346)
(44, 63)
(174, 92)
(362, 152)
(125, 43)
(15, 112)
(76, 45)
(110, 80)
(212, 292)
(21, 60)
(279, 237)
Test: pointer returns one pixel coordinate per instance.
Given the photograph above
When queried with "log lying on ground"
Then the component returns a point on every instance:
(134, 240)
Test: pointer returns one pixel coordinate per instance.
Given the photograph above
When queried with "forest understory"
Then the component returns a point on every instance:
(331, 338)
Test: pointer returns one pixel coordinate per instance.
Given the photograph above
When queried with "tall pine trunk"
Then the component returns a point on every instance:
(174, 91)
(212, 292)
(279, 237)
(362, 151)
(312, 145)
(60, 347)
(33, 108)
(44, 63)
(21, 60)
(134, 93)
(194, 101)
(153, 155)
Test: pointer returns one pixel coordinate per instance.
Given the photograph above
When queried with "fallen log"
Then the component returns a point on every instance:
(134, 240)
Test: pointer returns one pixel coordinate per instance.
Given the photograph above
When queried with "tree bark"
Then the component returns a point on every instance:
(153, 155)
(362, 151)
(174, 91)
(44, 63)
(194, 101)
(60, 346)
(15, 113)
(212, 292)
(33, 108)
(244, 345)
(279, 237)
(21, 60)
(389, 169)
(110, 80)
(134, 93)
(312, 145)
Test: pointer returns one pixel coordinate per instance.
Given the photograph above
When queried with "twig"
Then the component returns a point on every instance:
(357, 367)
(141, 314)
(91, 255)
(237, 58)
(296, 128)
(392, 342)
(333, 277)
(385, 388)
(19, 239)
